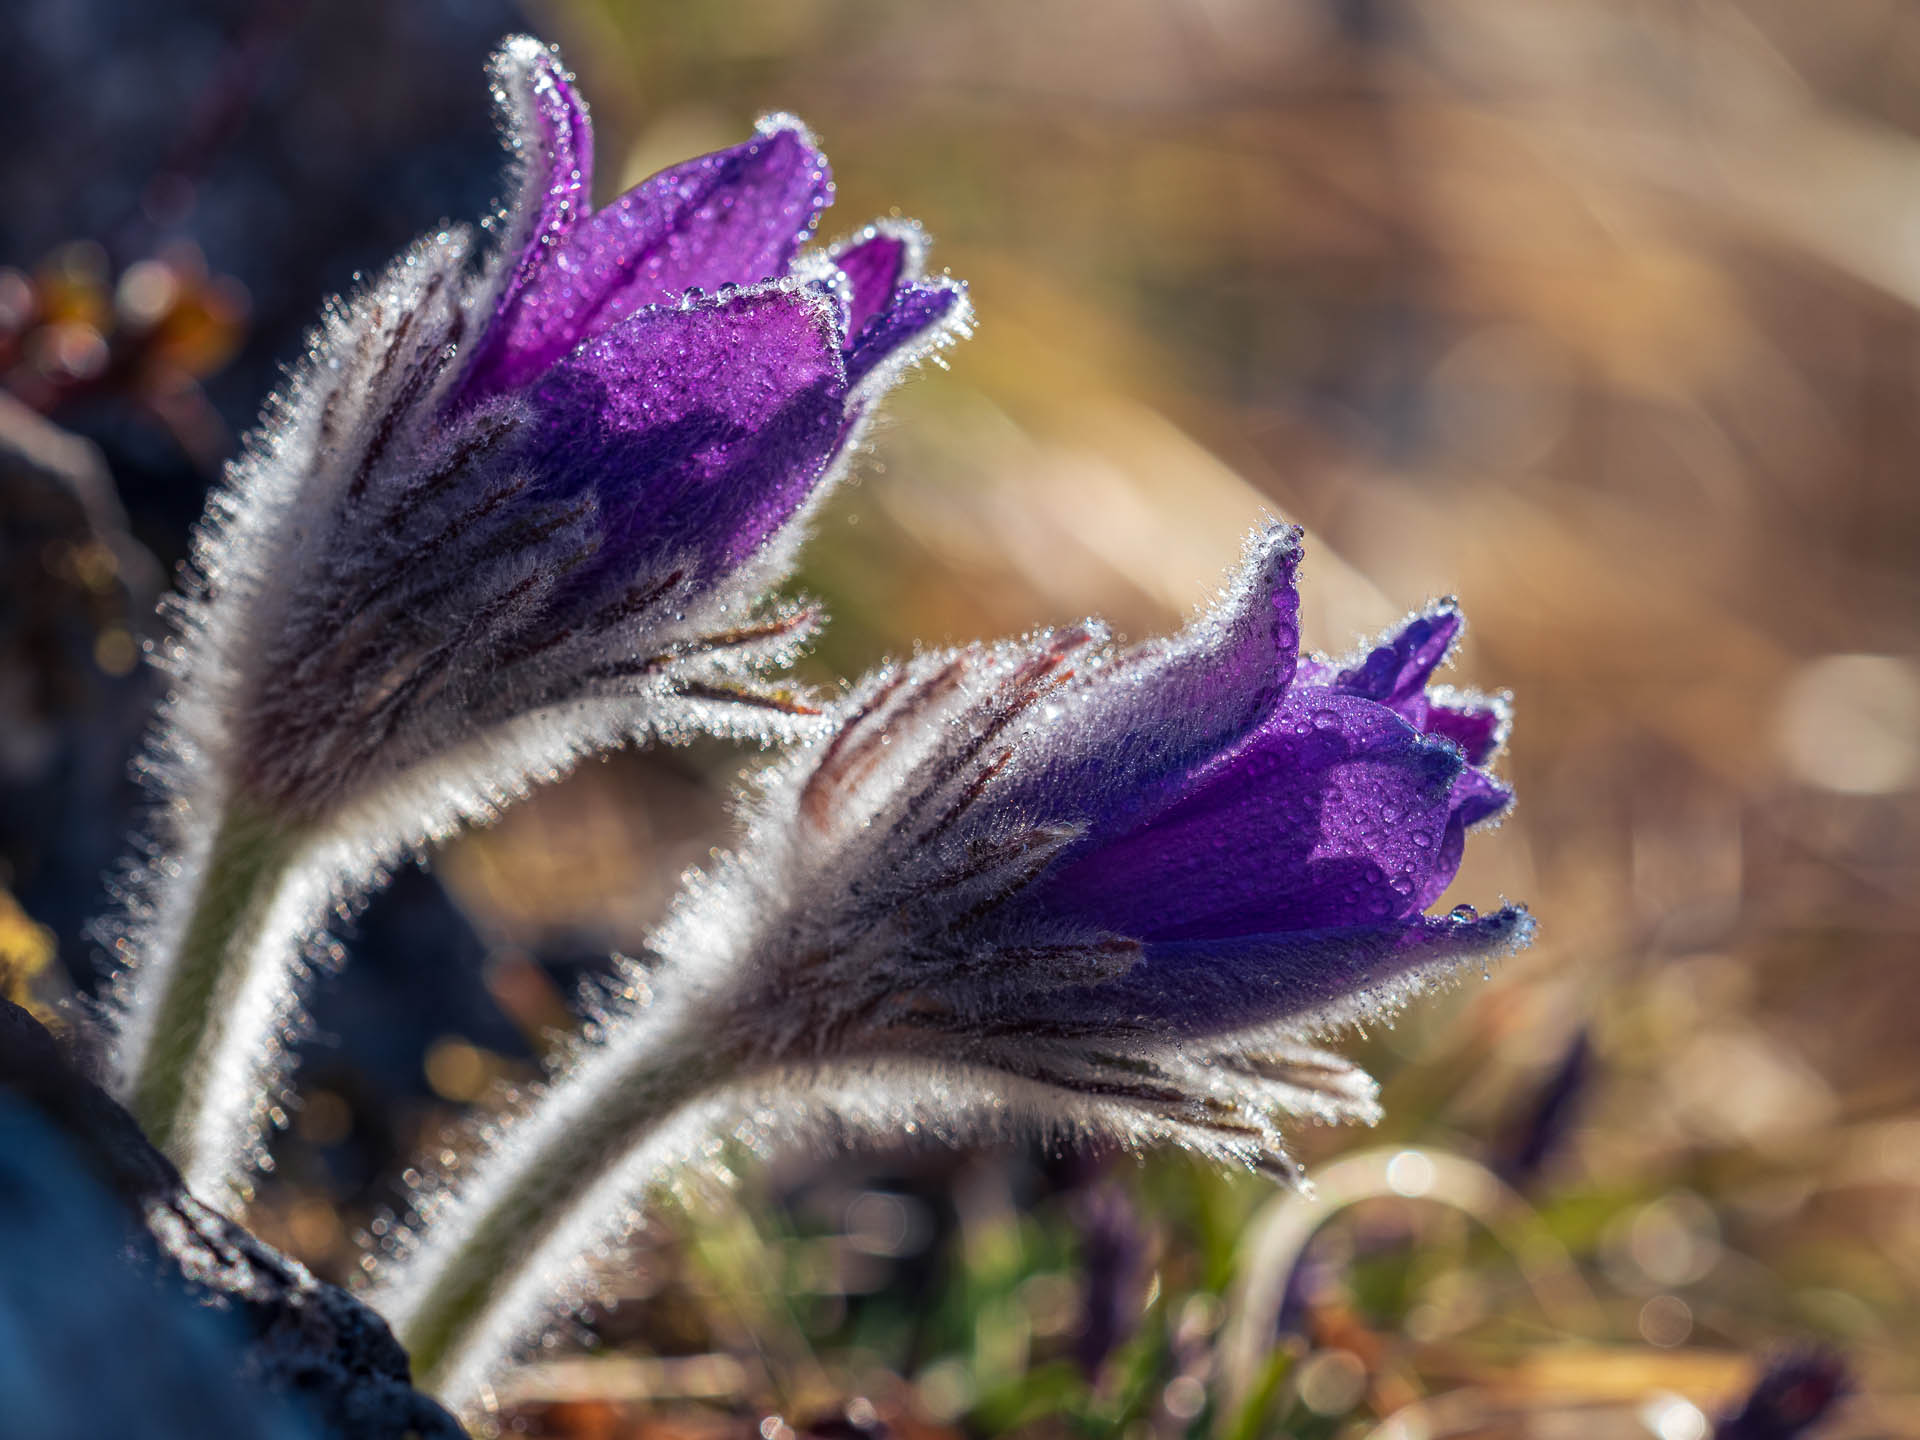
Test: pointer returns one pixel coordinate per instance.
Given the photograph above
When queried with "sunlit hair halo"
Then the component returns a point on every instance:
(527, 502)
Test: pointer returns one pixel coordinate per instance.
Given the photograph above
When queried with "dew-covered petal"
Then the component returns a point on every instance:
(1396, 671)
(735, 217)
(1208, 986)
(552, 138)
(1123, 743)
(877, 262)
(702, 428)
(1478, 797)
(911, 317)
(1336, 812)
(1477, 724)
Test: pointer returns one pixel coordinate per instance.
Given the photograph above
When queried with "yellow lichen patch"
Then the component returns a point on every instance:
(25, 949)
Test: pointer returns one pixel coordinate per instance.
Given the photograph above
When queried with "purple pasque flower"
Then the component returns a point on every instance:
(526, 506)
(1047, 884)
(520, 503)
(1136, 879)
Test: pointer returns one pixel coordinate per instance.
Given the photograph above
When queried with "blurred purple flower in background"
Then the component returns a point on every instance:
(1795, 1392)
(1114, 1251)
(1532, 1138)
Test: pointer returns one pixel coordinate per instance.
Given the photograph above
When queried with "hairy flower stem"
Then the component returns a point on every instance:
(242, 906)
(494, 1257)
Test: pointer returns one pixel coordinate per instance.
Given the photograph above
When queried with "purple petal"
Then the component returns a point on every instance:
(734, 217)
(1478, 797)
(1336, 813)
(910, 319)
(917, 321)
(1202, 986)
(547, 126)
(1397, 671)
(1128, 738)
(1476, 724)
(877, 262)
(702, 428)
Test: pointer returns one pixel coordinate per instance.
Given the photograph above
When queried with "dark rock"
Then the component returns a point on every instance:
(301, 1339)
(91, 1347)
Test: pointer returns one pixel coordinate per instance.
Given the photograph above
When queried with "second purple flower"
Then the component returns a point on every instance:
(1050, 885)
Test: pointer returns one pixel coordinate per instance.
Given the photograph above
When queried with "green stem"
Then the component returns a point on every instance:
(537, 1179)
(245, 867)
